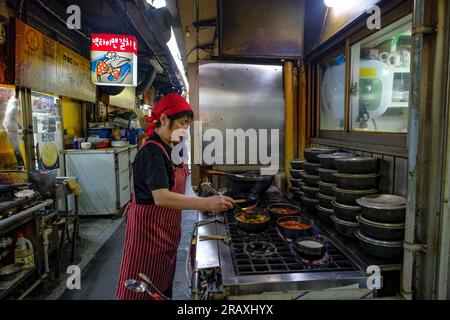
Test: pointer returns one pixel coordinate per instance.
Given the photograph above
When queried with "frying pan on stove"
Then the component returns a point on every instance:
(243, 200)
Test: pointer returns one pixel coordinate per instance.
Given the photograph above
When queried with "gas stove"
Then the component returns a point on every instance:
(265, 265)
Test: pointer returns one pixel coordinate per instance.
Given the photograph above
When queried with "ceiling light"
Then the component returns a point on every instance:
(176, 55)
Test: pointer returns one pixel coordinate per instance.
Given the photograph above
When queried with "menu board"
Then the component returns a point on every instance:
(45, 65)
(114, 60)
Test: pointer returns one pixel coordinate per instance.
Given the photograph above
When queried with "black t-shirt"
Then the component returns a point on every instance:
(152, 170)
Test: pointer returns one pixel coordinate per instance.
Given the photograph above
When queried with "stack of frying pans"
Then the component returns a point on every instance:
(355, 177)
(381, 228)
(311, 177)
(326, 184)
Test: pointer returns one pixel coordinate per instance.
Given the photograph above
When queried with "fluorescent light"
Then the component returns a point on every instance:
(175, 52)
(157, 3)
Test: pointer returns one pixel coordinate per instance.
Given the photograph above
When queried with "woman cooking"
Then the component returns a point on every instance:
(153, 227)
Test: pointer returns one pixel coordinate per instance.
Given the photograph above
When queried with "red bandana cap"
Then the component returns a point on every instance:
(170, 104)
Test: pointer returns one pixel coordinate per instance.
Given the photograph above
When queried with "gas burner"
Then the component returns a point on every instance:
(260, 249)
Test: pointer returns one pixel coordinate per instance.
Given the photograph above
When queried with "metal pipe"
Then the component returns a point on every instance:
(289, 117)
(24, 213)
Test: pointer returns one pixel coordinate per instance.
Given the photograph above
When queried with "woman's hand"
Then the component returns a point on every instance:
(219, 203)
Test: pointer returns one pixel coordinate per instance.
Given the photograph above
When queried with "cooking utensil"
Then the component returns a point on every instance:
(252, 182)
(327, 175)
(225, 239)
(296, 174)
(252, 227)
(381, 249)
(10, 271)
(324, 214)
(310, 192)
(223, 173)
(311, 180)
(311, 168)
(297, 182)
(311, 248)
(243, 200)
(325, 201)
(310, 204)
(274, 215)
(327, 160)
(217, 193)
(297, 164)
(382, 231)
(345, 228)
(356, 165)
(312, 153)
(346, 212)
(356, 181)
(383, 208)
(327, 188)
(293, 234)
(349, 197)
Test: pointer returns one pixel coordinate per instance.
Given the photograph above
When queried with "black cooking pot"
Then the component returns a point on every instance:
(310, 192)
(349, 197)
(357, 181)
(252, 227)
(327, 160)
(324, 214)
(327, 175)
(297, 164)
(311, 180)
(297, 174)
(310, 204)
(312, 153)
(327, 188)
(293, 234)
(380, 249)
(274, 215)
(345, 228)
(357, 165)
(325, 201)
(243, 200)
(311, 249)
(346, 212)
(382, 231)
(297, 182)
(252, 182)
(311, 168)
(383, 208)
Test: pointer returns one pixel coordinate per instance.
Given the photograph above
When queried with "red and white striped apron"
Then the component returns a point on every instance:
(151, 240)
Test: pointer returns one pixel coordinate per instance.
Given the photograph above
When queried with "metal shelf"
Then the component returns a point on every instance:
(7, 287)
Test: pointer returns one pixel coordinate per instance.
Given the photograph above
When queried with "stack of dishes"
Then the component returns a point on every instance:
(326, 184)
(355, 177)
(382, 225)
(297, 173)
(311, 177)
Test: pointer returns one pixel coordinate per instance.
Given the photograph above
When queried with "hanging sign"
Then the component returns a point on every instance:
(114, 60)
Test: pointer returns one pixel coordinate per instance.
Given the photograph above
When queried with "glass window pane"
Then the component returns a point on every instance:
(380, 80)
(332, 94)
(12, 147)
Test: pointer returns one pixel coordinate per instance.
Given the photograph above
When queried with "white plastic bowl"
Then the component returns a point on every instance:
(86, 145)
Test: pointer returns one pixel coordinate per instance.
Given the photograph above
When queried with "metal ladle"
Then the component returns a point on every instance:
(137, 286)
(217, 193)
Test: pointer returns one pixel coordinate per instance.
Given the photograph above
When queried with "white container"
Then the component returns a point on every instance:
(86, 145)
(119, 143)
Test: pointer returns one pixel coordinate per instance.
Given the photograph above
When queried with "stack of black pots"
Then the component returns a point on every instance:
(381, 228)
(355, 177)
(311, 177)
(297, 173)
(326, 184)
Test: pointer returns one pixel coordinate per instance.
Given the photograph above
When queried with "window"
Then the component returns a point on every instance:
(12, 147)
(380, 80)
(332, 95)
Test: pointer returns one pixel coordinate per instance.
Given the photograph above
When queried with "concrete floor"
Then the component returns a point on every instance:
(99, 256)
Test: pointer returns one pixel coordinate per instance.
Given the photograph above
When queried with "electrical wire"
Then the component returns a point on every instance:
(61, 19)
